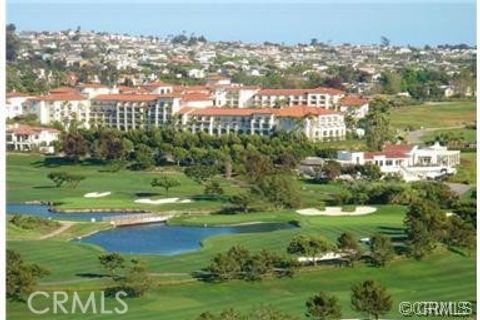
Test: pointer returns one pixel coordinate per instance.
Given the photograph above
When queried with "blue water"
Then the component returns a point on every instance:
(42, 211)
(161, 239)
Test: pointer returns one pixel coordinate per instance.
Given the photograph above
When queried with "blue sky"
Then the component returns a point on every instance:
(356, 21)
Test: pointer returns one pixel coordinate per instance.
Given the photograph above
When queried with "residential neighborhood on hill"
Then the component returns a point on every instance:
(177, 176)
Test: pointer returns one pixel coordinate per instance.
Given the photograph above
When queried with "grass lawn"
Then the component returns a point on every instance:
(27, 181)
(443, 276)
(470, 135)
(467, 171)
(434, 115)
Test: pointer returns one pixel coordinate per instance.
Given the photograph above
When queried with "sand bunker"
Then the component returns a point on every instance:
(162, 201)
(96, 194)
(336, 211)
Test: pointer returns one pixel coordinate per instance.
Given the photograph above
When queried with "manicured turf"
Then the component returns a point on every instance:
(27, 181)
(434, 115)
(470, 135)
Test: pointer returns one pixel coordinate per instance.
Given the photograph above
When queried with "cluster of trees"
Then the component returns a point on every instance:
(368, 297)
(398, 192)
(129, 275)
(188, 40)
(239, 263)
(62, 178)
(259, 313)
(453, 140)
(381, 250)
(332, 169)
(428, 226)
(159, 146)
(424, 83)
(22, 277)
(32, 222)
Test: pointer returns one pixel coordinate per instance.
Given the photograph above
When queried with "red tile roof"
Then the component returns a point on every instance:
(92, 85)
(303, 111)
(62, 90)
(290, 112)
(28, 130)
(298, 92)
(131, 97)
(392, 151)
(156, 84)
(196, 97)
(66, 96)
(353, 101)
(215, 111)
(15, 94)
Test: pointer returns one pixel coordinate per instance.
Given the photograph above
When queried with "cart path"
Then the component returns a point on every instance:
(65, 225)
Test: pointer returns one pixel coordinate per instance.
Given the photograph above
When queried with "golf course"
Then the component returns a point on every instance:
(61, 245)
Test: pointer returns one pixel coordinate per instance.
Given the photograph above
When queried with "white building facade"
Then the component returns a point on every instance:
(409, 161)
(26, 138)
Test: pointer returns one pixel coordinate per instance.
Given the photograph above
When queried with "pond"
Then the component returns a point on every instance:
(169, 240)
(158, 238)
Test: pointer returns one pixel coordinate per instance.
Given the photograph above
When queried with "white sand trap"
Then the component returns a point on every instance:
(162, 201)
(337, 211)
(96, 194)
(327, 256)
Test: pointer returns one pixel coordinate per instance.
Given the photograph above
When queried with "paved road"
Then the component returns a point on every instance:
(415, 137)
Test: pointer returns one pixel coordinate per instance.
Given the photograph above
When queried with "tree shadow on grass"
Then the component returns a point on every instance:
(56, 162)
(44, 187)
(147, 194)
(92, 275)
(458, 251)
(203, 197)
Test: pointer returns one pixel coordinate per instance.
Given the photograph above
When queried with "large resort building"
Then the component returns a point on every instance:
(219, 107)
(316, 123)
(133, 111)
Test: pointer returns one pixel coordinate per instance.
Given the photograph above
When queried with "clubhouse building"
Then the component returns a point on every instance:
(411, 162)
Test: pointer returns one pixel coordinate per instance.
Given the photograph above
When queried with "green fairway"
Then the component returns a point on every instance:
(434, 115)
(27, 181)
(443, 276)
(469, 135)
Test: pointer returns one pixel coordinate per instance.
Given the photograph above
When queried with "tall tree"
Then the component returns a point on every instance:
(349, 247)
(371, 297)
(381, 249)
(165, 182)
(425, 225)
(21, 277)
(323, 306)
(74, 145)
(310, 246)
(12, 43)
(378, 130)
(112, 262)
